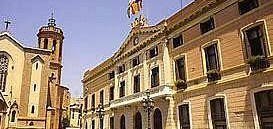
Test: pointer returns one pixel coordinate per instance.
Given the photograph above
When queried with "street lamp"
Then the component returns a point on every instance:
(100, 113)
(148, 105)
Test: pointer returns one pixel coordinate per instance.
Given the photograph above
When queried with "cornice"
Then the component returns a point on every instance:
(195, 15)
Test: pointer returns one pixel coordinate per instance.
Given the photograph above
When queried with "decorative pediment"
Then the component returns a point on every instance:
(136, 37)
(37, 58)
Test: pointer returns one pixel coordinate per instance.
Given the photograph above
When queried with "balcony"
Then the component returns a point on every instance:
(160, 91)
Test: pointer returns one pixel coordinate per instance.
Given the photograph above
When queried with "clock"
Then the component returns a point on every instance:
(136, 40)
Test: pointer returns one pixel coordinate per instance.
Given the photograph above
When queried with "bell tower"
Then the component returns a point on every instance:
(51, 38)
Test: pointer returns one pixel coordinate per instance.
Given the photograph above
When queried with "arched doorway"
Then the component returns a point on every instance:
(122, 122)
(138, 121)
(157, 119)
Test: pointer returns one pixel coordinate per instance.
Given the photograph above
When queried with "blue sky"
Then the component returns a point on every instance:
(94, 29)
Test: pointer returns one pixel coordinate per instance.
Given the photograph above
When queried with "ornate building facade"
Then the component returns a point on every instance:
(30, 89)
(75, 113)
(209, 66)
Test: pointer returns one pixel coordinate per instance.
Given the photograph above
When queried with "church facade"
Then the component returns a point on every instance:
(209, 66)
(31, 95)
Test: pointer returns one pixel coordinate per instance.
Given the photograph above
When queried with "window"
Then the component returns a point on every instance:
(45, 43)
(37, 66)
(85, 103)
(138, 121)
(212, 61)
(184, 116)
(34, 87)
(207, 25)
(13, 115)
(111, 75)
(60, 50)
(93, 100)
(4, 62)
(153, 52)
(180, 69)
(155, 77)
(135, 61)
(111, 93)
(255, 42)
(264, 107)
(54, 46)
(101, 123)
(177, 41)
(32, 109)
(247, 5)
(112, 122)
(157, 119)
(136, 83)
(122, 89)
(122, 122)
(101, 97)
(121, 68)
(93, 124)
(73, 114)
(218, 115)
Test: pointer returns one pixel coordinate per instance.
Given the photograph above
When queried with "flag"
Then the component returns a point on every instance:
(134, 7)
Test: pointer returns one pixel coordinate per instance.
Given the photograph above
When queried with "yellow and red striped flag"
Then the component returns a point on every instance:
(134, 7)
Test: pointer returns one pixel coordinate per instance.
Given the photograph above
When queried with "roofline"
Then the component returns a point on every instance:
(9, 35)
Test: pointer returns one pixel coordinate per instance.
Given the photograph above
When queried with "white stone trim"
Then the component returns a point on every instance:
(253, 103)
(261, 22)
(183, 55)
(226, 109)
(217, 42)
(190, 113)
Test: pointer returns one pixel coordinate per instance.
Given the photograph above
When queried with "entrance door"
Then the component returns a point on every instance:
(264, 105)
(157, 119)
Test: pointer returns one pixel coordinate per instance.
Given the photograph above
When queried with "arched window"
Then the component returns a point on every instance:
(13, 115)
(138, 121)
(45, 43)
(157, 119)
(32, 109)
(122, 122)
(3, 72)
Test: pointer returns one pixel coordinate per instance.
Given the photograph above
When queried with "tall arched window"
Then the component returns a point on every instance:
(138, 121)
(157, 119)
(45, 43)
(3, 72)
(122, 122)
(13, 115)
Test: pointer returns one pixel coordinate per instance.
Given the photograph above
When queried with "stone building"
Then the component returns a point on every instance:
(30, 77)
(75, 112)
(209, 66)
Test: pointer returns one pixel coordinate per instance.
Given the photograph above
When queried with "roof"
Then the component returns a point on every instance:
(8, 35)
